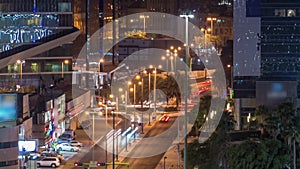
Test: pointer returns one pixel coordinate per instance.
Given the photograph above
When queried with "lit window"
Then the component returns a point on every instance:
(280, 12)
(291, 13)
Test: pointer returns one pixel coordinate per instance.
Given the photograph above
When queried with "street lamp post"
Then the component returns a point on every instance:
(211, 23)
(126, 97)
(186, 85)
(149, 89)
(134, 98)
(106, 118)
(144, 17)
(154, 89)
(231, 75)
(105, 106)
(205, 31)
(142, 95)
(166, 58)
(165, 162)
(172, 56)
(93, 135)
(113, 133)
(62, 67)
(21, 71)
(100, 70)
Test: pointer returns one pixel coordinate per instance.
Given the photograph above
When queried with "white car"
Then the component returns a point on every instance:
(48, 161)
(66, 147)
(52, 154)
(75, 143)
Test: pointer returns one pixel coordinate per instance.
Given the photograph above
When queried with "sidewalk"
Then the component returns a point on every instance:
(123, 154)
(171, 155)
(171, 161)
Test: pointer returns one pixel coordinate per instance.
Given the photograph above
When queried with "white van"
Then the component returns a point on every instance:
(48, 161)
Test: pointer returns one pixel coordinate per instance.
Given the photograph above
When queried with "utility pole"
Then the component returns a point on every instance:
(113, 62)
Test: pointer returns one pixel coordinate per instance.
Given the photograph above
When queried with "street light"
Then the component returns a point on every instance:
(144, 17)
(142, 90)
(105, 106)
(62, 67)
(111, 96)
(211, 23)
(154, 90)
(165, 162)
(134, 97)
(149, 89)
(100, 68)
(166, 58)
(21, 71)
(126, 97)
(186, 85)
(205, 31)
(171, 54)
(231, 75)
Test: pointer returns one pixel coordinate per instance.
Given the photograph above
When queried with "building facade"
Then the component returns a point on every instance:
(266, 55)
(27, 21)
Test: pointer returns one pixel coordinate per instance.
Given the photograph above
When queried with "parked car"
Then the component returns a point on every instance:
(52, 154)
(65, 137)
(59, 141)
(75, 143)
(66, 147)
(48, 162)
(34, 156)
(70, 132)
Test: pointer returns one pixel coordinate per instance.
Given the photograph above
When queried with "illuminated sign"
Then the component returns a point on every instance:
(8, 107)
(27, 146)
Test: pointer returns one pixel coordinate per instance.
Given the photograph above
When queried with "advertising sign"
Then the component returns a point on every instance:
(8, 107)
(27, 146)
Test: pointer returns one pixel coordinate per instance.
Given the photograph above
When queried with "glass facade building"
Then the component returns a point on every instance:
(266, 55)
(277, 43)
(27, 21)
(280, 38)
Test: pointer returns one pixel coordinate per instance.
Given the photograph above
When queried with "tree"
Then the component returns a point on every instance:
(210, 153)
(255, 155)
(199, 114)
(261, 112)
(282, 123)
(170, 87)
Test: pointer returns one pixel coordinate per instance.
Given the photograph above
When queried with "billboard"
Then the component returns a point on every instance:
(8, 107)
(28, 146)
(271, 93)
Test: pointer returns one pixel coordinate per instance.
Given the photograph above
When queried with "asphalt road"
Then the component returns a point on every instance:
(96, 152)
(149, 146)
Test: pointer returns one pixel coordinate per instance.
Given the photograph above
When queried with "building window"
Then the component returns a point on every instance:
(64, 7)
(34, 67)
(5, 145)
(8, 163)
(291, 13)
(280, 12)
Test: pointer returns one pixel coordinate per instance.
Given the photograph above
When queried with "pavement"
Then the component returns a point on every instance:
(123, 154)
(171, 161)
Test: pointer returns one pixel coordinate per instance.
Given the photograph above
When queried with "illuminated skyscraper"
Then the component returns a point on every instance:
(266, 54)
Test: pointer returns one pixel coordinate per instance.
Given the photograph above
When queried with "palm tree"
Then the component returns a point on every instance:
(170, 87)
